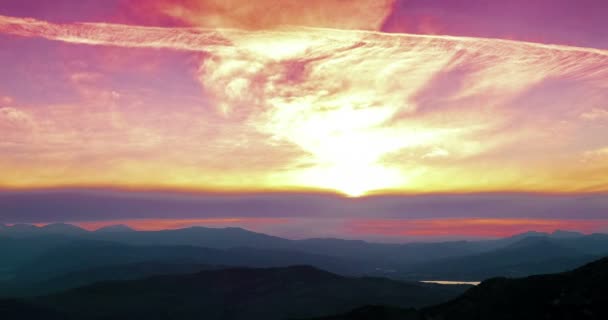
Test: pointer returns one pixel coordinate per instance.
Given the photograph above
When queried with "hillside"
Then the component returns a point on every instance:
(578, 294)
(241, 293)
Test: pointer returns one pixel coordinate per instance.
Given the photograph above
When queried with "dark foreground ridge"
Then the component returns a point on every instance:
(237, 293)
(573, 295)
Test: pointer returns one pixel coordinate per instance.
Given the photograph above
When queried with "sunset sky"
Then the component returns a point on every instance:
(374, 119)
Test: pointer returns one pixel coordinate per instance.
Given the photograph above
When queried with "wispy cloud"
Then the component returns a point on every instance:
(595, 114)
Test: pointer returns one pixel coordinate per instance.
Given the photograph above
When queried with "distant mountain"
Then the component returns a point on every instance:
(217, 238)
(596, 243)
(531, 255)
(379, 255)
(115, 228)
(390, 256)
(578, 294)
(43, 272)
(16, 251)
(20, 230)
(566, 234)
(379, 259)
(241, 293)
(28, 230)
(62, 228)
(88, 276)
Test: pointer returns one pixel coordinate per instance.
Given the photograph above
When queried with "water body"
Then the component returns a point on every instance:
(474, 283)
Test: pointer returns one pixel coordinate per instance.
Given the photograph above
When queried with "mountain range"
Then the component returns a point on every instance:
(61, 271)
(65, 249)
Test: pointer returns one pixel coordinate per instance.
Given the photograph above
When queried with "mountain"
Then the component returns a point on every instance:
(596, 243)
(413, 261)
(566, 234)
(76, 257)
(62, 228)
(21, 250)
(578, 294)
(376, 312)
(217, 238)
(15, 309)
(379, 255)
(387, 255)
(20, 229)
(115, 228)
(88, 276)
(28, 230)
(532, 255)
(241, 293)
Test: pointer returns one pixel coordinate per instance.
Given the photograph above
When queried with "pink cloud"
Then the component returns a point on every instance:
(6, 100)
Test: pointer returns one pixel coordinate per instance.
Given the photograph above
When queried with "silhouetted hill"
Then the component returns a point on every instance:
(376, 313)
(578, 294)
(241, 293)
(15, 309)
(88, 276)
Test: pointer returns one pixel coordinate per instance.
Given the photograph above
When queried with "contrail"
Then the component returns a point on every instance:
(114, 34)
(201, 39)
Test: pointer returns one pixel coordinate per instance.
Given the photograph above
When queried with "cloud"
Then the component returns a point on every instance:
(14, 115)
(436, 153)
(13, 119)
(79, 78)
(595, 114)
(267, 14)
(6, 100)
(350, 102)
(596, 154)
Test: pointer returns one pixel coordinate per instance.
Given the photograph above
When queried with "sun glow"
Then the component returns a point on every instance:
(352, 179)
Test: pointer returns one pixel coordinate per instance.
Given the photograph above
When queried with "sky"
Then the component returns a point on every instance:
(416, 118)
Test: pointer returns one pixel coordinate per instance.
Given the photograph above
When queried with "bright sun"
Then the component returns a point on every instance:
(353, 180)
